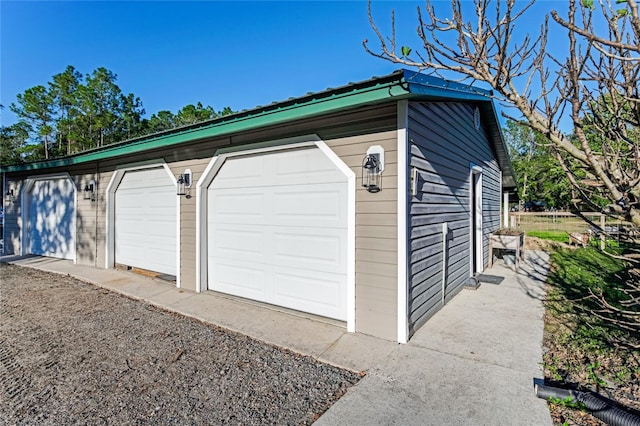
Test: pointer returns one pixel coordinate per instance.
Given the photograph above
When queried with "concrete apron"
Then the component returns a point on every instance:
(473, 363)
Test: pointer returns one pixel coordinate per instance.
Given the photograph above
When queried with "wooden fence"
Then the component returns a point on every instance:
(565, 222)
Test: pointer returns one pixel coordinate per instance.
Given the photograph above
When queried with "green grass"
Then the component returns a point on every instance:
(612, 246)
(576, 276)
(583, 350)
(559, 236)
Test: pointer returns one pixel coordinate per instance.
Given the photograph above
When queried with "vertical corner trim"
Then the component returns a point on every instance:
(403, 189)
(201, 221)
(476, 218)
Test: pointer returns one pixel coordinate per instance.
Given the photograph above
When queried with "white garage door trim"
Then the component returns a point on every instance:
(305, 141)
(114, 182)
(25, 208)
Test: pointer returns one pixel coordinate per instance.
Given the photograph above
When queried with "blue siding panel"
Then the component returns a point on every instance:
(443, 144)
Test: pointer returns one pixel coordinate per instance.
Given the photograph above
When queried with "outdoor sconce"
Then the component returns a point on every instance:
(372, 168)
(90, 191)
(184, 183)
(11, 195)
(415, 175)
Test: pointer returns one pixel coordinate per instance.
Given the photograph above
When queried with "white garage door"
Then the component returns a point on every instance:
(277, 231)
(52, 212)
(145, 221)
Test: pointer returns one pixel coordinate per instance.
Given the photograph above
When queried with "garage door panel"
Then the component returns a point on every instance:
(132, 227)
(153, 242)
(142, 181)
(51, 227)
(299, 167)
(321, 204)
(48, 245)
(146, 221)
(305, 167)
(280, 236)
(312, 252)
(153, 200)
(317, 204)
(245, 174)
(155, 258)
(238, 242)
(318, 293)
(129, 228)
(231, 203)
(163, 199)
(265, 245)
(240, 279)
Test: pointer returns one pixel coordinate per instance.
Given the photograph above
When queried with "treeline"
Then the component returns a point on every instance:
(75, 112)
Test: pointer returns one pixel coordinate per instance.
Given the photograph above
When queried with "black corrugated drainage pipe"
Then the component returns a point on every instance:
(598, 406)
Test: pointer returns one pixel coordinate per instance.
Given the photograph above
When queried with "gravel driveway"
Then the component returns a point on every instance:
(72, 353)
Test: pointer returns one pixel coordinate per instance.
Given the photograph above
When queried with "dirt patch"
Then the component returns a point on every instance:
(71, 353)
(534, 243)
(615, 375)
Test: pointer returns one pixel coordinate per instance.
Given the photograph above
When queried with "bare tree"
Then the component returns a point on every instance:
(595, 84)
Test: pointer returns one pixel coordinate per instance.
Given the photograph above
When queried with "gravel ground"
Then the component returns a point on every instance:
(72, 353)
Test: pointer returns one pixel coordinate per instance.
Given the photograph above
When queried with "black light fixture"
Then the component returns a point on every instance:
(184, 183)
(90, 191)
(372, 167)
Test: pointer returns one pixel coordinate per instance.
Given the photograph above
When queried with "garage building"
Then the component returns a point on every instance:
(369, 204)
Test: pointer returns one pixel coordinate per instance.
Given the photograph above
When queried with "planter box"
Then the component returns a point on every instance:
(507, 242)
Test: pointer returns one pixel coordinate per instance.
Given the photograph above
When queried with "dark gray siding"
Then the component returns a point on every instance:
(443, 146)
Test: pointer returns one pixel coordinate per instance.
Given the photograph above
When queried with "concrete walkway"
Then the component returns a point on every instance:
(473, 363)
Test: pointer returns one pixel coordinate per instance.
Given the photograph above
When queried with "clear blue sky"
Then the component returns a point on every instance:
(237, 53)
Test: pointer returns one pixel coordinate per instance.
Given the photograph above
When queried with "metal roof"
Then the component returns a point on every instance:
(401, 84)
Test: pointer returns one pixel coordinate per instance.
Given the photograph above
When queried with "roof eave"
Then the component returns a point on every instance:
(402, 84)
(309, 106)
(424, 87)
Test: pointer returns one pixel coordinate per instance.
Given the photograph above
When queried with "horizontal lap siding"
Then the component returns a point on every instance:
(87, 211)
(376, 235)
(104, 177)
(188, 222)
(443, 143)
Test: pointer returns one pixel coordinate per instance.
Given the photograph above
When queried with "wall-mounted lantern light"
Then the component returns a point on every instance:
(184, 183)
(372, 168)
(11, 195)
(90, 191)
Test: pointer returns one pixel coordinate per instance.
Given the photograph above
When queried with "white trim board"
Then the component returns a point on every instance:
(402, 231)
(475, 188)
(114, 182)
